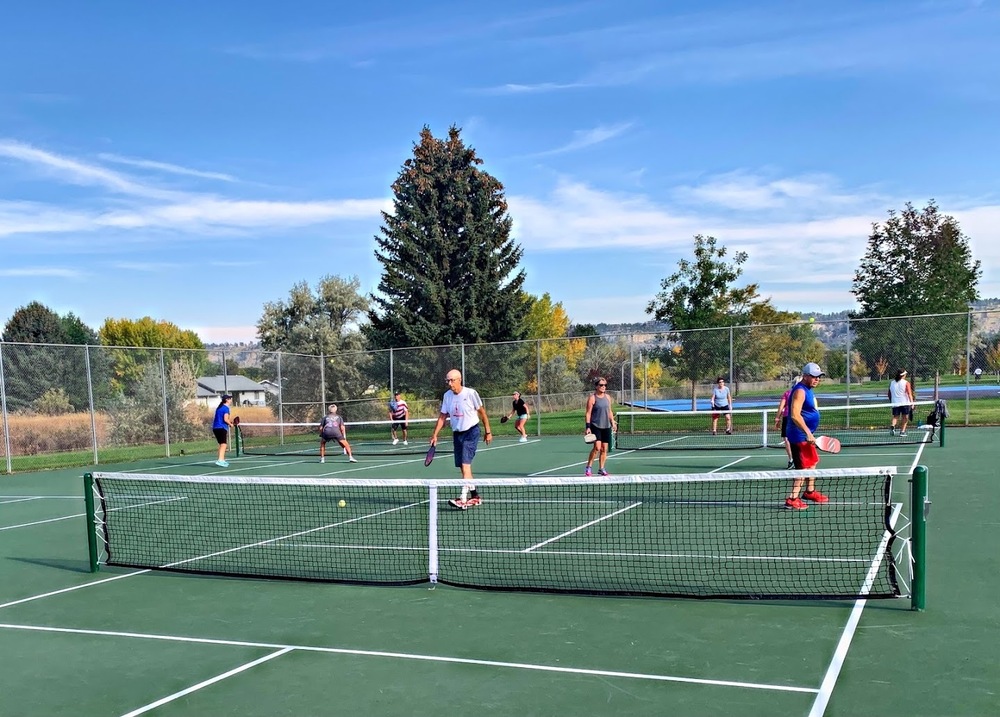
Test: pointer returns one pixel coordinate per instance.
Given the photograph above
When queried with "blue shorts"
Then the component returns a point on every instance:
(522, 416)
(465, 443)
(902, 411)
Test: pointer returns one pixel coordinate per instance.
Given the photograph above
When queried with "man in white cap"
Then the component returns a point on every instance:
(803, 421)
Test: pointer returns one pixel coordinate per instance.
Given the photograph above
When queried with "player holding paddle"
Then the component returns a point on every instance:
(803, 421)
(399, 414)
(600, 423)
(520, 409)
(463, 407)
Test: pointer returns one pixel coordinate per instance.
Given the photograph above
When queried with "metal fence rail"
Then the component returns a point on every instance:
(98, 404)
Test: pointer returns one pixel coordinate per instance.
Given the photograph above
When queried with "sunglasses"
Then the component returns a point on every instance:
(602, 384)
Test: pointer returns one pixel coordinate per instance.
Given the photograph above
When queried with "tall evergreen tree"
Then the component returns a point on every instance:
(450, 268)
(31, 371)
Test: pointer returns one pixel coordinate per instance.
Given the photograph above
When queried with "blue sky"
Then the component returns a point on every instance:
(192, 161)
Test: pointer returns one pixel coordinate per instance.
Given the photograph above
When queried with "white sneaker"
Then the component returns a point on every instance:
(345, 451)
(522, 439)
(322, 460)
(406, 443)
(352, 459)
(395, 441)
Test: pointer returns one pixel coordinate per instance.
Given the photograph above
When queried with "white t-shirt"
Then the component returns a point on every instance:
(462, 408)
(898, 394)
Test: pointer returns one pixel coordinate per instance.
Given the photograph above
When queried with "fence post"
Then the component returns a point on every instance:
(848, 372)
(968, 361)
(5, 416)
(631, 370)
(920, 506)
(538, 387)
(166, 412)
(322, 384)
(732, 359)
(281, 401)
(90, 399)
(392, 373)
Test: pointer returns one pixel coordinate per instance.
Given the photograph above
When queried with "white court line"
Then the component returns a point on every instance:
(44, 497)
(206, 683)
(731, 463)
(616, 456)
(71, 589)
(847, 636)
(581, 527)
(424, 658)
(83, 515)
(19, 500)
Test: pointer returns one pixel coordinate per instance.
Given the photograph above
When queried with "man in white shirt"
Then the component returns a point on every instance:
(463, 407)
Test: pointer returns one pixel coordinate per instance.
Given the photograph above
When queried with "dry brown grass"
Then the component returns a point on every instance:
(34, 435)
(31, 435)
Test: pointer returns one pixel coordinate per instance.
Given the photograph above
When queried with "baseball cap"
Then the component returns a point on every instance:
(225, 396)
(812, 369)
(396, 393)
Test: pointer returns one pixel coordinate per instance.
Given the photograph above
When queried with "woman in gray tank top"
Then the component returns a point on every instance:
(600, 420)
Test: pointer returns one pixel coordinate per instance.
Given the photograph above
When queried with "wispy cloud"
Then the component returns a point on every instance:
(166, 167)
(588, 138)
(763, 43)
(49, 272)
(743, 190)
(514, 88)
(73, 171)
(152, 208)
(144, 266)
(821, 245)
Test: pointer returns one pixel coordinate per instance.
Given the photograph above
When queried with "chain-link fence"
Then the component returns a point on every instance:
(76, 405)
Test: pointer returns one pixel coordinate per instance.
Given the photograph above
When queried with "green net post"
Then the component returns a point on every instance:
(941, 422)
(88, 497)
(238, 440)
(920, 507)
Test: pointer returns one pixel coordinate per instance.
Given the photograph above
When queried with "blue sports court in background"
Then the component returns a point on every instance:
(924, 393)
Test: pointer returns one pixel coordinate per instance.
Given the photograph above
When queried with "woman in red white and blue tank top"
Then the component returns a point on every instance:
(803, 421)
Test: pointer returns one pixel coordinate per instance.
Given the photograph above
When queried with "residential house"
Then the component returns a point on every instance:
(244, 391)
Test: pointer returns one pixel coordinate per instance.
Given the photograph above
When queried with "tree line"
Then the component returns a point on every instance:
(452, 274)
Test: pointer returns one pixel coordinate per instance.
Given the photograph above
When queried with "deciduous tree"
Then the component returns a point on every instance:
(699, 297)
(918, 262)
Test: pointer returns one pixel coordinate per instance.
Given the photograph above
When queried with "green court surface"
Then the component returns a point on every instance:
(127, 642)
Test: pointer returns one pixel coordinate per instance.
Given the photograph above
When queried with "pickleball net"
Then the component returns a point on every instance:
(855, 425)
(365, 437)
(720, 535)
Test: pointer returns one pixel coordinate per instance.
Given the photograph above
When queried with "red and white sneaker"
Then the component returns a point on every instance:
(815, 496)
(472, 502)
(459, 503)
(795, 504)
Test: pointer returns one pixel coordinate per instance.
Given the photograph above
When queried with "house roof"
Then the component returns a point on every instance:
(216, 385)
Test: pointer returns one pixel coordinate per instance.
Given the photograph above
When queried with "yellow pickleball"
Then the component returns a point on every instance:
(342, 504)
